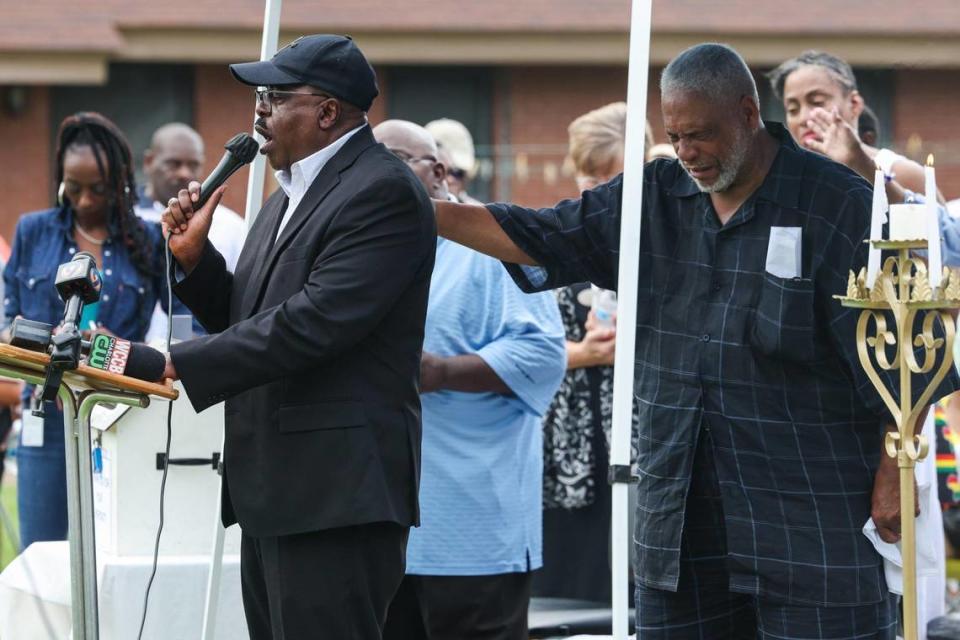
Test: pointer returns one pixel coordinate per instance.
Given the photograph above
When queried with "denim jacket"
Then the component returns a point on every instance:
(44, 240)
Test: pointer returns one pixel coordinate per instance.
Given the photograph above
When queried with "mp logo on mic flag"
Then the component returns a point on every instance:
(109, 353)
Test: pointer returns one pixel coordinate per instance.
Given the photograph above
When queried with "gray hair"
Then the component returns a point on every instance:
(712, 70)
(835, 66)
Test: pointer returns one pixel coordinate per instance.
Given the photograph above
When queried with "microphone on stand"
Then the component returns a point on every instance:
(78, 283)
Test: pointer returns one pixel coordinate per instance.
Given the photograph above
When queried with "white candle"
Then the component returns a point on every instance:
(934, 262)
(878, 216)
(908, 222)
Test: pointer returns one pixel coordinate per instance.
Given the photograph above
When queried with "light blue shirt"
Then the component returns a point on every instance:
(482, 454)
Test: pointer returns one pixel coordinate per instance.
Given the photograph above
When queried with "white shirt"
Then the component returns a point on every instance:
(303, 172)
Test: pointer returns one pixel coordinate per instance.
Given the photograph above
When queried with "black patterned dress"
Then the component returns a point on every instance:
(576, 495)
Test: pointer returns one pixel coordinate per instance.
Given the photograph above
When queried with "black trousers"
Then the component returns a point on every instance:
(460, 608)
(334, 584)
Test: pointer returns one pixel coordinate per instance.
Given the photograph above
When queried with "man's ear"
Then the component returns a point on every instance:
(328, 113)
(750, 110)
(439, 171)
(148, 158)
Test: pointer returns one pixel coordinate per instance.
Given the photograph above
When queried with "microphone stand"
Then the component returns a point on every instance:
(64, 354)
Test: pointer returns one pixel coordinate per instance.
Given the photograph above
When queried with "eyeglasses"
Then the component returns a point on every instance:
(268, 97)
(409, 159)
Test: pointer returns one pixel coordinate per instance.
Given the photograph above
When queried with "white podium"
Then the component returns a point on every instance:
(126, 506)
(126, 484)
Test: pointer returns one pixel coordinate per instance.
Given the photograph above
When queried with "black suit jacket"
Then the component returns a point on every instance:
(315, 346)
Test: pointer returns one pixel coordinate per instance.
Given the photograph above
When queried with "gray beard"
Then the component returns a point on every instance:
(729, 169)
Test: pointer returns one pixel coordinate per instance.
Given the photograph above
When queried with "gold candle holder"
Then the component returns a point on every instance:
(903, 289)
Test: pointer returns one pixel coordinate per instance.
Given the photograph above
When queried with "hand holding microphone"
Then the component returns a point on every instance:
(188, 216)
(188, 226)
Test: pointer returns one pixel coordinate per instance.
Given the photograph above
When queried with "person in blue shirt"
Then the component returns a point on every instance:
(94, 213)
(492, 360)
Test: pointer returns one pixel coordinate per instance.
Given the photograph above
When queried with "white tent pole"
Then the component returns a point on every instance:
(268, 46)
(632, 203)
(258, 170)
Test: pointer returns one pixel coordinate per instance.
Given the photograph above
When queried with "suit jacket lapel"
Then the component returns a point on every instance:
(323, 184)
(250, 271)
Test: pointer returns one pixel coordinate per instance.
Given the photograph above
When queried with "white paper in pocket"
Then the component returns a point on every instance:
(785, 252)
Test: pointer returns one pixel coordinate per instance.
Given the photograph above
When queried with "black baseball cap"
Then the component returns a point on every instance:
(329, 62)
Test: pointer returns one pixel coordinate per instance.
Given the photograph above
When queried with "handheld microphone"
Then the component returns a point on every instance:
(241, 150)
(125, 358)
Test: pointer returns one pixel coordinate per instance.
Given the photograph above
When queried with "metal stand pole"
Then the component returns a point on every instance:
(83, 627)
(268, 46)
(77, 409)
(258, 168)
(904, 289)
(82, 499)
(627, 285)
(216, 571)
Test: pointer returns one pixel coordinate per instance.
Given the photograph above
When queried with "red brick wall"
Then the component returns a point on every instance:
(926, 120)
(542, 103)
(25, 181)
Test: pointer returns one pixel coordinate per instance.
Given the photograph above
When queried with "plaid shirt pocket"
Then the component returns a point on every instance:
(783, 324)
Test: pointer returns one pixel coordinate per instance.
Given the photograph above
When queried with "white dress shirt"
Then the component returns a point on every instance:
(303, 172)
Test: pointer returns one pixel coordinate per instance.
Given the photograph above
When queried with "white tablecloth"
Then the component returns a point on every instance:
(35, 596)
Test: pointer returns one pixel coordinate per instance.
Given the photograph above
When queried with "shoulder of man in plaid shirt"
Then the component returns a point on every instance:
(767, 365)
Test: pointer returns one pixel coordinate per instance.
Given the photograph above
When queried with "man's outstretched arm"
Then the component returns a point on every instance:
(475, 227)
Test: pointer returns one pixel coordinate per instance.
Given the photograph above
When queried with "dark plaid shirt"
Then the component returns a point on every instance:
(769, 365)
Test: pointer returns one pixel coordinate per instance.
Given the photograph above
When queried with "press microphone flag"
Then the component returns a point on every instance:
(125, 358)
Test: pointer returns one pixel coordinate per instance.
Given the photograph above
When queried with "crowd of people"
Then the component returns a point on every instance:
(414, 450)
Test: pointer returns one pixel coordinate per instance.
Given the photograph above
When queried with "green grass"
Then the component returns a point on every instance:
(8, 498)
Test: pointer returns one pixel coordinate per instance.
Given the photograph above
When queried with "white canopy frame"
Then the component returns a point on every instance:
(629, 265)
(268, 47)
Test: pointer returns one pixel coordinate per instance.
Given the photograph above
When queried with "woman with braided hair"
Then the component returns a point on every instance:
(94, 213)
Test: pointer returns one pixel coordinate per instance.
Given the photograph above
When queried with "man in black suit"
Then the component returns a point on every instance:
(315, 346)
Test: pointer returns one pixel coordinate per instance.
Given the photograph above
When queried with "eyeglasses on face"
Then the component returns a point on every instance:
(409, 159)
(270, 97)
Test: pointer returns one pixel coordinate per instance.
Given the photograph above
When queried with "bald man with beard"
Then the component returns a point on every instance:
(492, 360)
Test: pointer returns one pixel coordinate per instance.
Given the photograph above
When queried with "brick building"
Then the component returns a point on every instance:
(515, 72)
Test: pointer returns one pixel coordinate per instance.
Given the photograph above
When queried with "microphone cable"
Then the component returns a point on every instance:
(241, 150)
(166, 457)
